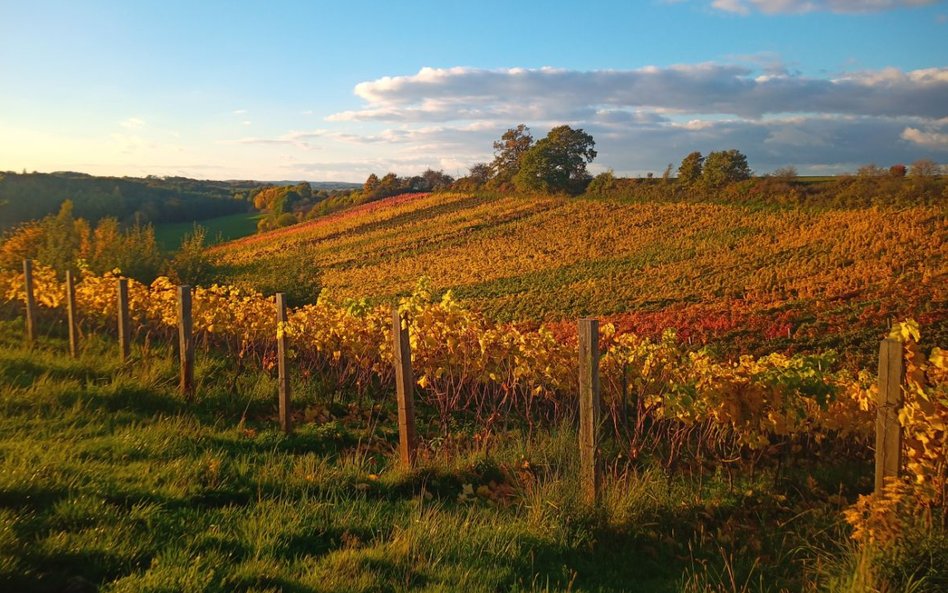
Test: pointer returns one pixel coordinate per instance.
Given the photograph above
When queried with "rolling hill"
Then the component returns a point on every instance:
(741, 277)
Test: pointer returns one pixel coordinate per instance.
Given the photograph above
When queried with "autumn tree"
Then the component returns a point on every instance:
(924, 168)
(371, 182)
(479, 173)
(509, 150)
(870, 170)
(785, 174)
(435, 180)
(602, 184)
(62, 240)
(389, 185)
(555, 161)
(897, 171)
(192, 264)
(724, 167)
(689, 171)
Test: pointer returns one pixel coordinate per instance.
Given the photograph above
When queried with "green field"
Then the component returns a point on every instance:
(222, 228)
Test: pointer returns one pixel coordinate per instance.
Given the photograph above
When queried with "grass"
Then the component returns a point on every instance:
(220, 229)
(110, 482)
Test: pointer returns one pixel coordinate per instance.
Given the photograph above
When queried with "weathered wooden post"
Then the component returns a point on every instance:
(71, 315)
(124, 327)
(589, 408)
(888, 428)
(30, 303)
(185, 342)
(405, 389)
(284, 377)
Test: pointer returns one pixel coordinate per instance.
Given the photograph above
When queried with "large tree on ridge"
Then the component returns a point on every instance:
(556, 160)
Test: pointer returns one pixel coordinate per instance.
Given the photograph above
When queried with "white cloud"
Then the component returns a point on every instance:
(132, 123)
(804, 6)
(929, 139)
(471, 94)
(737, 6)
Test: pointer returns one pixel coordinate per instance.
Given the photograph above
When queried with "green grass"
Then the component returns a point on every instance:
(110, 482)
(222, 228)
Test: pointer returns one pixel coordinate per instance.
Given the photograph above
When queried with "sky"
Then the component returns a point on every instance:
(312, 90)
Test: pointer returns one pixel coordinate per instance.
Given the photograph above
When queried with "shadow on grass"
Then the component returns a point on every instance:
(70, 572)
(615, 563)
(23, 372)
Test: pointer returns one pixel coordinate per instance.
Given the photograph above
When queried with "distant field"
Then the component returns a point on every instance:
(807, 278)
(816, 178)
(223, 228)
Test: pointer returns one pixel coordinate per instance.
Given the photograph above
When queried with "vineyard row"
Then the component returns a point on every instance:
(655, 395)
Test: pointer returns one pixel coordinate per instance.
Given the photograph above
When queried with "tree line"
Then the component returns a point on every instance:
(154, 200)
(557, 164)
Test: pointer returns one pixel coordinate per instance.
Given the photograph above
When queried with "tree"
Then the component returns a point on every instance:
(690, 170)
(897, 170)
(436, 180)
(139, 256)
(602, 184)
(192, 264)
(304, 190)
(388, 185)
(480, 173)
(724, 167)
(106, 242)
(924, 168)
(60, 248)
(371, 183)
(870, 170)
(509, 150)
(553, 162)
(923, 175)
(785, 174)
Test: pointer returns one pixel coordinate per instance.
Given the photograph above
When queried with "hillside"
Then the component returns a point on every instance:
(790, 278)
(29, 196)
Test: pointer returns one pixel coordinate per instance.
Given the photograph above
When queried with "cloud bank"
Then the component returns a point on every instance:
(643, 119)
(472, 94)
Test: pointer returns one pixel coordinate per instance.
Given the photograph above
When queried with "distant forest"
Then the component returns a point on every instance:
(149, 200)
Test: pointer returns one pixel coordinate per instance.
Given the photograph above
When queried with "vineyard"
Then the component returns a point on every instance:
(660, 399)
(467, 364)
(717, 444)
(768, 280)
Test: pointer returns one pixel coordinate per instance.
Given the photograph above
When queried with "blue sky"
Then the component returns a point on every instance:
(318, 90)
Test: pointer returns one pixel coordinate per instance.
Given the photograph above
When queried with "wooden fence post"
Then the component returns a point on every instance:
(589, 408)
(405, 389)
(284, 377)
(185, 342)
(71, 315)
(888, 428)
(30, 302)
(124, 327)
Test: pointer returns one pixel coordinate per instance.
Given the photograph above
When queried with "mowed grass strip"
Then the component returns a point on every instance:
(219, 229)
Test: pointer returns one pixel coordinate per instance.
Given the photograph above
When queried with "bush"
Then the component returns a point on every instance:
(191, 264)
